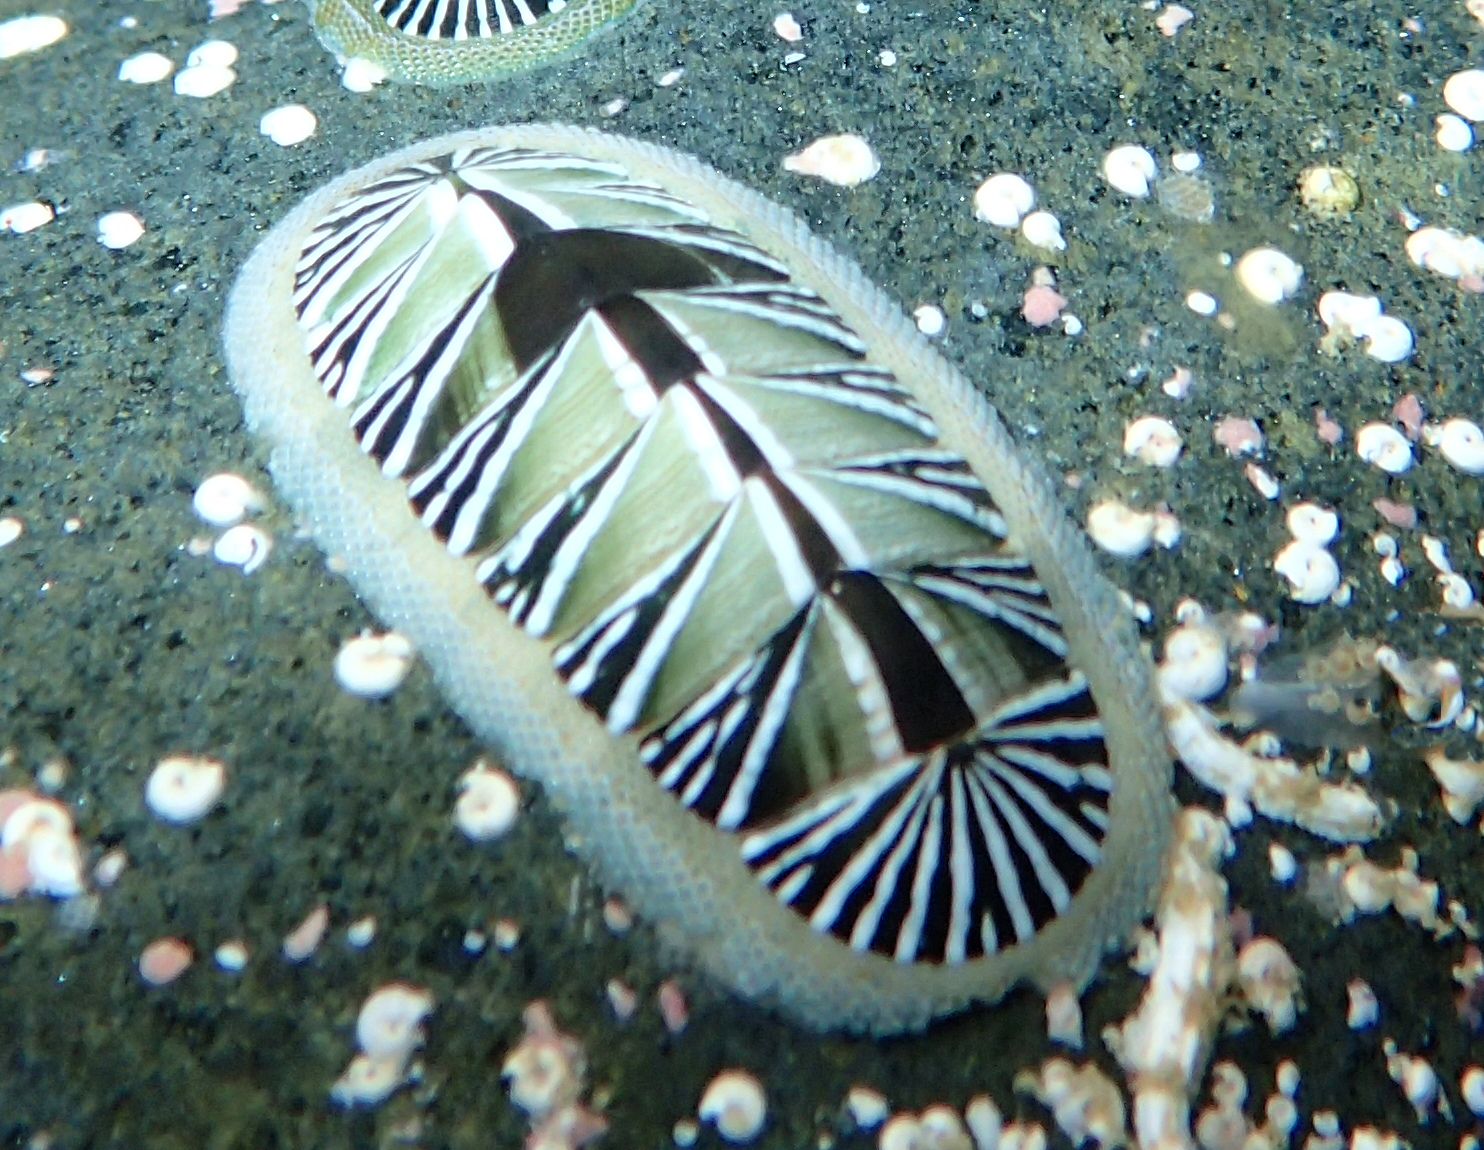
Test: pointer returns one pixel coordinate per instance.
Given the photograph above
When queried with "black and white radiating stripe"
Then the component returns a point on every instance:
(463, 19)
(740, 535)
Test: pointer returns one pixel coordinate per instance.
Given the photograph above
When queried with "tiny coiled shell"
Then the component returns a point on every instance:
(1385, 447)
(735, 1103)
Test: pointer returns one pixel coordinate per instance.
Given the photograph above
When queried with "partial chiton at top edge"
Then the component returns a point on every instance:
(725, 522)
(454, 41)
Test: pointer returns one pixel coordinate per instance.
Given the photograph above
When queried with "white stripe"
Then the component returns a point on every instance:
(865, 859)
(798, 580)
(927, 495)
(565, 563)
(836, 527)
(765, 736)
(789, 889)
(909, 938)
(723, 480)
(633, 383)
(635, 595)
(431, 387)
(614, 633)
(1050, 879)
(960, 870)
(882, 403)
(518, 548)
(757, 429)
(442, 203)
(685, 757)
(1054, 770)
(440, 13)
(471, 514)
(827, 815)
(1059, 821)
(870, 688)
(1007, 880)
(629, 701)
(1086, 729)
(868, 920)
(1050, 693)
(487, 178)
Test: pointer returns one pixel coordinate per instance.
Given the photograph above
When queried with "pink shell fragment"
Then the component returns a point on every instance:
(1239, 436)
(1329, 431)
(1397, 514)
(1041, 305)
(1408, 412)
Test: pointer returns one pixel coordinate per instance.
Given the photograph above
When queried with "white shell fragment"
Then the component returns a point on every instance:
(361, 75)
(1387, 339)
(243, 546)
(1202, 303)
(1471, 1086)
(1153, 440)
(1311, 523)
(1385, 447)
(11, 529)
(1004, 200)
(1043, 230)
(1129, 169)
(389, 1024)
(146, 68)
(208, 70)
(1464, 93)
(488, 802)
(735, 1102)
(183, 788)
(1339, 310)
(373, 666)
(867, 1107)
(203, 80)
(844, 160)
(1461, 782)
(1446, 252)
(288, 125)
(118, 230)
(1312, 573)
(1193, 662)
(930, 319)
(1362, 1009)
(226, 498)
(30, 34)
(1453, 133)
(1281, 864)
(1268, 275)
(1121, 530)
(786, 28)
(212, 53)
(1461, 443)
(22, 218)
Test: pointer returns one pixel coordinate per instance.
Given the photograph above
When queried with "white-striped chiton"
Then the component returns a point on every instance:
(697, 532)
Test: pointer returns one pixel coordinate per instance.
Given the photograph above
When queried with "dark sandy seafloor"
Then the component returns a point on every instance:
(117, 645)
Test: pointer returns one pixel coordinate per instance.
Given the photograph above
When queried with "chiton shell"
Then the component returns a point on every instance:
(458, 41)
(699, 533)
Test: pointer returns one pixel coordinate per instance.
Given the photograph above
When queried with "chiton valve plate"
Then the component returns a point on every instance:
(459, 41)
(701, 535)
